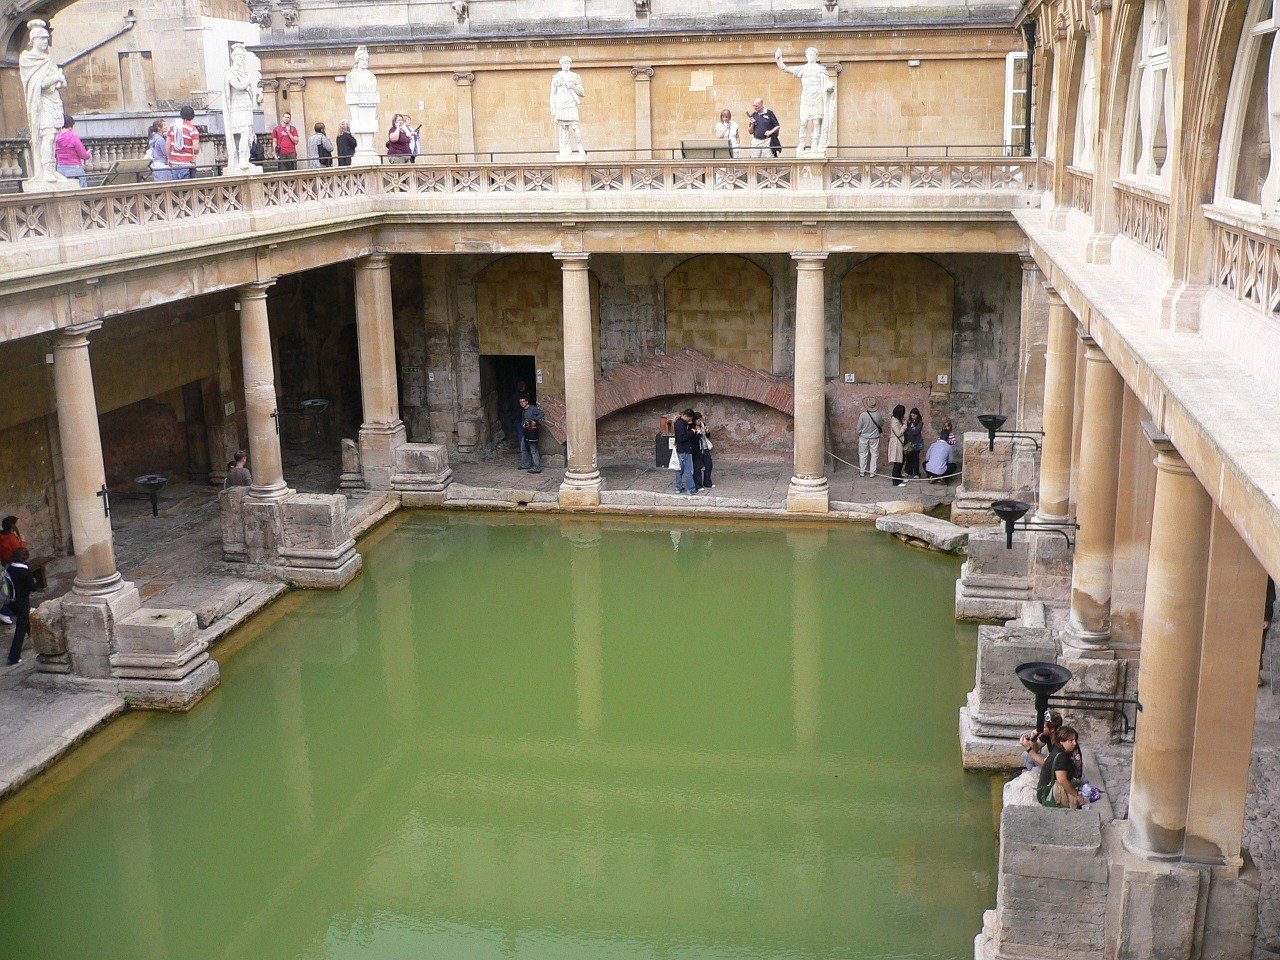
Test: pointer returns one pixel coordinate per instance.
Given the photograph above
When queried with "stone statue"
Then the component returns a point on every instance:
(566, 93)
(241, 95)
(817, 101)
(361, 94)
(42, 79)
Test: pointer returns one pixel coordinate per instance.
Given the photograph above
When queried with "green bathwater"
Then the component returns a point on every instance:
(540, 738)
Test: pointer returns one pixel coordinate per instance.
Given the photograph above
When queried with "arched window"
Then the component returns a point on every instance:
(1147, 120)
(1086, 111)
(1247, 173)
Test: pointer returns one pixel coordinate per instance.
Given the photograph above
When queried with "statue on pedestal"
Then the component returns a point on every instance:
(817, 102)
(42, 83)
(241, 95)
(361, 94)
(566, 93)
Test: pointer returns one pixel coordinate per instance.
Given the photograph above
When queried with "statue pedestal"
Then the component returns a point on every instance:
(40, 185)
(364, 127)
(241, 171)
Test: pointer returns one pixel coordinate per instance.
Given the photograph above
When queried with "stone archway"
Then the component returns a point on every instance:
(720, 305)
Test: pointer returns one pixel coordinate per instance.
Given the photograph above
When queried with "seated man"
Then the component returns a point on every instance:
(1061, 773)
(938, 458)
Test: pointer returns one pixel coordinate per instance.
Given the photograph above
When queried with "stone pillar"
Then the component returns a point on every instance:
(260, 394)
(466, 117)
(581, 487)
(1033, 334)
(1077, 424)
(1172, 627)
(224, 438)
(1090, 624)
(1235, 595)
(644, 111)
(96, 573)
(1136, 486)
(382, 431)
(809, 492)
(1059, 399)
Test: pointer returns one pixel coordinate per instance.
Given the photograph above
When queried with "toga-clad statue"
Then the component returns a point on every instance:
(817, 101)
(361, 93)
(241, 95)
(566, 93)
(42, 83)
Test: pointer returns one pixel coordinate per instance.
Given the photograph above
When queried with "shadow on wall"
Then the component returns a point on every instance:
(740, 429)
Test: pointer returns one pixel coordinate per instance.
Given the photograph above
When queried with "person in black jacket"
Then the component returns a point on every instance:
(23, 584)
(686, 446)
(346, 144)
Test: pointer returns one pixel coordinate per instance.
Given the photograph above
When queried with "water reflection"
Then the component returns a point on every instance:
(543, 738)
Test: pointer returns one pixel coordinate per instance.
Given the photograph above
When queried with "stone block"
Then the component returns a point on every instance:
(920, 528)
(160, 661)
(1051, 843)
(421, 468)
(351, 478)
(994, 580)
(1000, 705)
(262, 529)
(150, 693)
(313, 522)
(378, 448)
(1095, 678)
(1050, 566)
(231, 515)
(48, 637)
(1158, 907)
(155, 630)
(888, 508)
(88, 625)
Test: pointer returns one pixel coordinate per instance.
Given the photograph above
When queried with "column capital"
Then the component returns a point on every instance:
(378, 260)
(464, 78)
(1028, 262)
(256, 290)
(1055, 298)
(572, 260)
(75, 335)
(809, 261)
(1167, 456)
(642, 74)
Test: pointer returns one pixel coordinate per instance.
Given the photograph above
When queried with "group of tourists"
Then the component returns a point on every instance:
(905, 445)
(762, 124)
(16, 585)
(404, 139)
(1055, 753)
(693, 453)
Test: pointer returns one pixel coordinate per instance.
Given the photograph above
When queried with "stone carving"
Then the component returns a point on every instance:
(566, 93)
(361, 94)
(42, 83)
(241, 95)
(460, 10)
(642, 7)
(289, 10)
(817, 101)
(260, 12)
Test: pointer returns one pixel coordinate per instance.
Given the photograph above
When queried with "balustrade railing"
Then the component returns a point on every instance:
(1080, 189)
(1143, 216)
(116, 207)
(1246, 260)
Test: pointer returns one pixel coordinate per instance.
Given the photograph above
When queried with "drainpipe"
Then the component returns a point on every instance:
(1029, 31)
(130, 21)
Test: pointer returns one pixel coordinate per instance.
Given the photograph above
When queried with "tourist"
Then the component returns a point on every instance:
(320, 147)
(1036, 747)
(727, 130)
(23, 584)
(702, 454)
(765, 131)
(870, 427)
(286, 138)
(184, 145)
(531, 430)
(237, 473)
(399, 142)
(897, 442)
(415, 137)
(346, 144)
(69, 152)
(10, 541)
(158, 152)
(686, 445)
(914, 444)
(937, 462)
(1061, 773)
(257, 155)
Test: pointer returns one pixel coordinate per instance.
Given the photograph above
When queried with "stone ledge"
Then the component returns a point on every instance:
(924, 530)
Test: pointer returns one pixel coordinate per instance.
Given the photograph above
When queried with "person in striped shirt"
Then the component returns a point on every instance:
(184, 145)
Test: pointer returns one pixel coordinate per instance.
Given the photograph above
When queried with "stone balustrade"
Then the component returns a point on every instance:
(1246, 260)
(1143, 215)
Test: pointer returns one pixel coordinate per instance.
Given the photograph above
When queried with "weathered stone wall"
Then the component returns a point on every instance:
(721, 305)
(740, 429)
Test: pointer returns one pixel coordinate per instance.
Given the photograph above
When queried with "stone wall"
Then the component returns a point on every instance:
(740, 429)
(721, 305)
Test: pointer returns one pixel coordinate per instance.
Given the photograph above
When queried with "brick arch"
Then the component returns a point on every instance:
(721, 305)
(686, 373)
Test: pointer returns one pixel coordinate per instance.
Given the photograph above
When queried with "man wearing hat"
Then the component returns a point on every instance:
(870, 427)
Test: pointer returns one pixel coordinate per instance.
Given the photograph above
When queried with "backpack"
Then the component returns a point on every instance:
(531, 428)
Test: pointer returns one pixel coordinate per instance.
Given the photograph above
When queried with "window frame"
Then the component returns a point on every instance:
(1238, 101)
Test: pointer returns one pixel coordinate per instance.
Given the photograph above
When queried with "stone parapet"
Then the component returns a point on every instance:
(302, 538)
(1009, 472)
(995, 580)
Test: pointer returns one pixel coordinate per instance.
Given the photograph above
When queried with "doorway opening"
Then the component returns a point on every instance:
(501, 377)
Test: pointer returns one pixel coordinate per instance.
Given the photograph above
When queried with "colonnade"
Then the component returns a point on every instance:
(1201, 626)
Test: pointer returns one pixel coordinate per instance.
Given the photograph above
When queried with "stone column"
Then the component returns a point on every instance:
(1090, 625)
(224, 438)
(644, 111)
(1172, 627)
(1033, 334)
(1235, 596)
(1135, 485)
(382, 430)
(260, 394)
(466, 116)
(96, 573)
(581, 487)
(809, 492)
(1059, 399)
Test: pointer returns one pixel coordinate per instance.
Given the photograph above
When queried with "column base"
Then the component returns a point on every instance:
(100, 587)
(271, 493)
(580, 489)
(422, 470)
(1086, 644)
(808, 495)
(378, 445)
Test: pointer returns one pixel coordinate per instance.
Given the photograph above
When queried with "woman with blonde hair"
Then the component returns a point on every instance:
(727, 130)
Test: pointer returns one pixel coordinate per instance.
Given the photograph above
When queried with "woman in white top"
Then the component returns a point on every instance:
(727, 130)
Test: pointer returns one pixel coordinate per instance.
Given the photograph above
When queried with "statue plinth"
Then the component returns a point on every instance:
(365, 127)
(40, 185)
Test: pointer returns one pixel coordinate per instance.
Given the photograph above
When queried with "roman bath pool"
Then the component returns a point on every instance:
(537, 737)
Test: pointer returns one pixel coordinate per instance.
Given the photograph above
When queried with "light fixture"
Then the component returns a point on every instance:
(1043, 680)
(992, 422)
(1011, 512)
